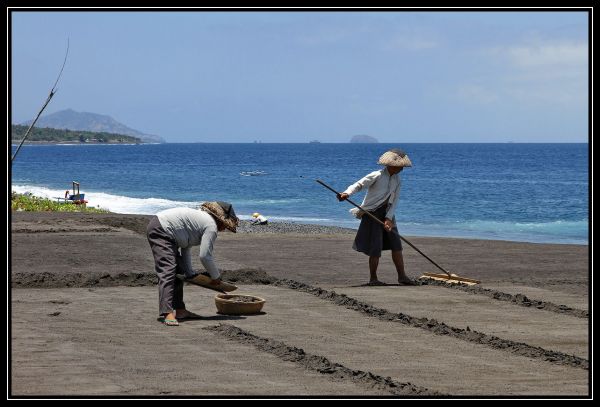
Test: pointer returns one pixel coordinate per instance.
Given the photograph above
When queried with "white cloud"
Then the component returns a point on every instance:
(572, 95)
(535, 74)
(548, 55)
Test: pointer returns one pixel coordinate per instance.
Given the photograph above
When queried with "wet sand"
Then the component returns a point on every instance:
(84, 308)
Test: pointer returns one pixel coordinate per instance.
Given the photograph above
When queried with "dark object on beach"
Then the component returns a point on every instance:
(238, 304)
(450, 278)
(76, 197)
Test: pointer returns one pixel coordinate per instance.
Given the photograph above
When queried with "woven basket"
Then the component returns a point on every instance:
(226, 305)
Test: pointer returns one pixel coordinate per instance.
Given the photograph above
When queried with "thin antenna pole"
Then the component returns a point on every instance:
(52, 92)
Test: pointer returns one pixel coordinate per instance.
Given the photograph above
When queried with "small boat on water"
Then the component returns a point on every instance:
(252, 173)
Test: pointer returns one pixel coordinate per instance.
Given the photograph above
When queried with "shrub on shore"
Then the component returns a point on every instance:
(30, 203)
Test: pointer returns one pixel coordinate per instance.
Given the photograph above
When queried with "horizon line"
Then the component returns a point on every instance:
(306, 142)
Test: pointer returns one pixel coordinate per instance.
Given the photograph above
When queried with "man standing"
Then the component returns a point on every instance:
(381, 200)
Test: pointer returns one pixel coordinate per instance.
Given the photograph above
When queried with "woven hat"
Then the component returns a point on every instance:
(255, 215)
(224, 212)
(395, 158)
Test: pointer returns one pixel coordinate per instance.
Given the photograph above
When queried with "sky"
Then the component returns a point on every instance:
(399, 76)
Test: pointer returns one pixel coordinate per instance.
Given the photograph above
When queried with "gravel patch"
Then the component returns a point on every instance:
(290, 227)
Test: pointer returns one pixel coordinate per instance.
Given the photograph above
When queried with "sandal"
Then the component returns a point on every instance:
(168, 321)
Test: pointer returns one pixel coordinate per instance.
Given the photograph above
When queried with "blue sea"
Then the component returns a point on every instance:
(512, 191)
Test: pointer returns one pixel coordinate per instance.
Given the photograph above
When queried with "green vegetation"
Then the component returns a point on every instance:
(30, 203)
(49, 135)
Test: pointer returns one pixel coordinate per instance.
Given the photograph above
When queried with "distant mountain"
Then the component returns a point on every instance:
(363, 139)
(72, 120)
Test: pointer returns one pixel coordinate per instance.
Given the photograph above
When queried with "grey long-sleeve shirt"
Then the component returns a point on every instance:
(192, 227)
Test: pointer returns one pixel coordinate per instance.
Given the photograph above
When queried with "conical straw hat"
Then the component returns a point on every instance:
(395, 158)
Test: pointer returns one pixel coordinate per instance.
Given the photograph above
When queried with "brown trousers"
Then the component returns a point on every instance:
(166, 252)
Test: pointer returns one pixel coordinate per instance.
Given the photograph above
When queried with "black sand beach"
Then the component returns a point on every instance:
(84, 307)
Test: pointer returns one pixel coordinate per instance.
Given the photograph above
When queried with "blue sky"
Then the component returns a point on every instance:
(298, 76)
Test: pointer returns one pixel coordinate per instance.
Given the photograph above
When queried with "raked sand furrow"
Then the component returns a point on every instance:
(538, 328)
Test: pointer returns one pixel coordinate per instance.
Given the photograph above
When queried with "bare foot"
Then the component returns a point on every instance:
(376, 283)
(405, 281)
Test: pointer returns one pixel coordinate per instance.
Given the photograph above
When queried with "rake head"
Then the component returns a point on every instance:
(452, 279)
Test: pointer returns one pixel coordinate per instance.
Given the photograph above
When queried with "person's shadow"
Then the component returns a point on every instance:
(213, 318)
(382, 284)
(218, 317)
(385, 285)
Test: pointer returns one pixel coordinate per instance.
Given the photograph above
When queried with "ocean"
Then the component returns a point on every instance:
(518, 192)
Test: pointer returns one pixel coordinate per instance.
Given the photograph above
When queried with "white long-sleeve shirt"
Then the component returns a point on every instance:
(381, 185)
(192, 227)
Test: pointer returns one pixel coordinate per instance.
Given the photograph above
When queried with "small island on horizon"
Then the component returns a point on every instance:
(362, 138)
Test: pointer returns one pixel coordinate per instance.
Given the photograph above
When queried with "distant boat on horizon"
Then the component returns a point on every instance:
(314, 142)
(252, 173)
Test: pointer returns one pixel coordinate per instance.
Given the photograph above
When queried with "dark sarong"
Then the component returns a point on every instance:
(372, 238)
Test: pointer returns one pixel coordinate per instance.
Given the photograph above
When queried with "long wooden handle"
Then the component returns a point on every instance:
(383, 224)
